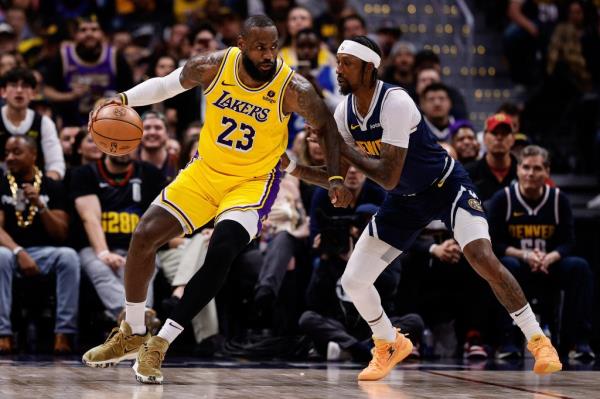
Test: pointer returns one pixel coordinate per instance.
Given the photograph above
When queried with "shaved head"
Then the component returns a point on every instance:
(256, 21)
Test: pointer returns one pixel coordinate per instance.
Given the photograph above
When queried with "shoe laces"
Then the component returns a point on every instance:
(115, 337)
(543, 347)
(151, 357)
(380, 353)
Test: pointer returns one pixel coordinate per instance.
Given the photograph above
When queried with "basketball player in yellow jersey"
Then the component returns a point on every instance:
(234, 178)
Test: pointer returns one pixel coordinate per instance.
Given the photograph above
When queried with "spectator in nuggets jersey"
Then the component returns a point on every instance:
(498, 167)
(33, 225)
(110, 197)
(16, 118)
(532, 229)
(87, 69)
(153, 148)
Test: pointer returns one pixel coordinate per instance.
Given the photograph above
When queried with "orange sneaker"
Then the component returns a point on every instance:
(385, 356)
(546, 358)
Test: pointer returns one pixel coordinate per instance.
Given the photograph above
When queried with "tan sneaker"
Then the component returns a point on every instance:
(385, 356)
(546, 358)
(120, 345)
(149, 360)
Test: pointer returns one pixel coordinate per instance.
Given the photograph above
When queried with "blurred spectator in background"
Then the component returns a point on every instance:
(387, 36)
(464, 141)
(284, 234)
(177, 44)
(527, 36)
(400, 72)
(33, 223)
(531, 225)
(110, 196)
(229, 26)
(67, 137)
(8, 38)
(17, 87)
(88, 69)
(435, 104)
(322, 76)
(498, 167)
(8, 61)
(153, 148)
(300, 18)
(427, 59)
(84, 150)
(521, 141)
(16, 18)
(353, 25)
(329, 20)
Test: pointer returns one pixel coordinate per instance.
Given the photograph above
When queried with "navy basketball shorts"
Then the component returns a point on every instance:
(400, 218)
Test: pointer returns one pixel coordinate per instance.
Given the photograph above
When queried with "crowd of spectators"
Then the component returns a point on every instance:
(68, 211)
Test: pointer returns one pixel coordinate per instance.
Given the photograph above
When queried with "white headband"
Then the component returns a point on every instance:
(360, 51)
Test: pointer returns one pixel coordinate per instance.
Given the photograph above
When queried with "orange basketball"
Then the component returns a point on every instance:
(117, 129)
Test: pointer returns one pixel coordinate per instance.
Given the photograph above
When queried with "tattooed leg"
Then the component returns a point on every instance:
(508, 291)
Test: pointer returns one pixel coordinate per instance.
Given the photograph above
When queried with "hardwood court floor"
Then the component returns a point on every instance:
(68, 379)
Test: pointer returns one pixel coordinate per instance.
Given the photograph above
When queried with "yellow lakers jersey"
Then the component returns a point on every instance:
(245, 131)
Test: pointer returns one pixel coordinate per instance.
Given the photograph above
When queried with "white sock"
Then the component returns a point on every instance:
(135, 315)
(382, 328)
(527, 322)
(170, 330)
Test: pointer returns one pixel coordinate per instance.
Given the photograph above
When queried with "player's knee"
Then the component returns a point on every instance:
(146, 235)
(352, 283)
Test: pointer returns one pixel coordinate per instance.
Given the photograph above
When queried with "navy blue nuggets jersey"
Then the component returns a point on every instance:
(123, 198)
(546, 224)
(391, 115)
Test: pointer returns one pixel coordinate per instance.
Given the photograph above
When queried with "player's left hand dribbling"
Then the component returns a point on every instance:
(339, 195)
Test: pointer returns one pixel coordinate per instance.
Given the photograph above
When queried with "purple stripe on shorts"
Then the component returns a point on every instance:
(263, 211)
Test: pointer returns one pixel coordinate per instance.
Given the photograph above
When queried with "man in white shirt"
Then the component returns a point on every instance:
(17, 88)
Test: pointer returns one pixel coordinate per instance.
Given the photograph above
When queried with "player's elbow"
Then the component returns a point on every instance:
(390, 182)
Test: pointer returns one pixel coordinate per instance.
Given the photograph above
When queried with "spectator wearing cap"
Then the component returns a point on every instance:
(435, 103)
(464, 141)
(498, 167)
(86, 70)
(16, 118)
(400, 70)
(8, 38)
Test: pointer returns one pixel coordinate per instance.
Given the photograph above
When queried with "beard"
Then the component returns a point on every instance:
(121, 160)
(256, 73)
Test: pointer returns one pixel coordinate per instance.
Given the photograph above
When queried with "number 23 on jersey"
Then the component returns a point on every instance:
(230, 125)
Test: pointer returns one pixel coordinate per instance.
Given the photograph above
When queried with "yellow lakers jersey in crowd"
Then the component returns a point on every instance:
(245, 130)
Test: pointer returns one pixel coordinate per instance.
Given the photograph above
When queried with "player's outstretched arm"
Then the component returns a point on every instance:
(301, 98)
(386, 170)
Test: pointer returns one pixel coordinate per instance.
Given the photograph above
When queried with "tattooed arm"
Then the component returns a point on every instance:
(200, 70)
(301, 98)
(316, 175)
(386, 170)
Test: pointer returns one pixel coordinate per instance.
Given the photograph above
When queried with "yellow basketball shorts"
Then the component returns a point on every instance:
(199, 193)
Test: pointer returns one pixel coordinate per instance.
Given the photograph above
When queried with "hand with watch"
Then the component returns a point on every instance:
(26, 263)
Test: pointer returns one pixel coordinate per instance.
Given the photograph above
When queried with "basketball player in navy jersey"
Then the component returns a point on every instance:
(389, 141)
